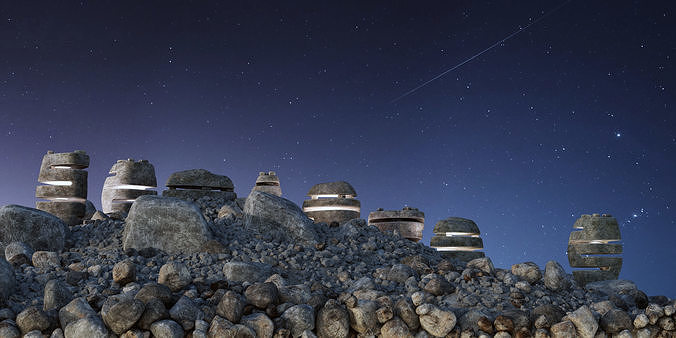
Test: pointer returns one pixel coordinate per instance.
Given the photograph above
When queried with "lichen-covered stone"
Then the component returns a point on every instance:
(39, 229)
(268, 213)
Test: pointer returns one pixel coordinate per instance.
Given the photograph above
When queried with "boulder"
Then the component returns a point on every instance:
(167, 329)
(299, 318)
(584, 321)
(484, 264)
(615, 321)
(268, 213)
(152, 291)
(56, 295)
(18, 253)
(333, 321)
(363, 318)
(46, 259)
(260, 323)
(406, 311)
(88, 327)
(174, 275)
(120, 312)
(435, 321)
(7, 281)
(77, 309)
(262, 294)
(39, 229)
(185, 312)
(124, 272)
(564, 329)
(231, 306)
(169, 224)
(528, 271)
(154, 311)
(32, 318)
(555, 277)
(395, 328)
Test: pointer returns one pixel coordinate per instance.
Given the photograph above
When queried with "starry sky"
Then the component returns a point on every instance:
(573, 115)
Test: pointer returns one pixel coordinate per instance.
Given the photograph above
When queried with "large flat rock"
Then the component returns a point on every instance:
(41, 230)
(268, 213)
(170, 224)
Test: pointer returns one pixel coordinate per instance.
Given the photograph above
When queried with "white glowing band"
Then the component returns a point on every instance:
(132, 187)
(58, 182)
(456, 248)
(463, 234)
(595, 241)
(66, 199)
(124, 201)
(61, 167)
(314, 197)
(332, 208)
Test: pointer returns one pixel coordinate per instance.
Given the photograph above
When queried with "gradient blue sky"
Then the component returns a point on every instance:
(574, 115)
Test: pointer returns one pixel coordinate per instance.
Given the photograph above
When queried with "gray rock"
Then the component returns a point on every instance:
(152, 291)
(34, 334)
(87, 327)
(584, 321)
(246, 272)
(527, 271)
(223, 328)
(167, 329)
(175, 276)
(299, 318)
(470, 321)
(58, 333)
(438, 286)
(612, 287)
(7, 281)
(615, 321)
(56, 295)
(262, 294)
(260, 323)
(120, 312)
(46, 259)
(641, 321)
(654, 312)
(395, 328)
(267, 213)
(124, 272)
(165, 223)
(230, 211)
(39, 229)
(564, 329)
(435, 321)
(363, 318)
(32, 318)
(231, 306)
(154, 311)
(9, 331)
(405, 310)
(18, 253)
(552, 313)
(666, 323)
(77, 309)
(484, 264)
(185, 312)
(400, 273)
(333, 320)
(555, 277)
(90, 209)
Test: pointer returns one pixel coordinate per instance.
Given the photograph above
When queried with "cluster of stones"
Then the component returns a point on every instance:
(332, 202)
(590, 245)
(268, 182)
(407, 222)
(457, 238)
(129, 181)
(65, 185)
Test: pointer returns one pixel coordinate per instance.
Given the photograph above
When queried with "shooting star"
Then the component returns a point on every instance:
(521, 29)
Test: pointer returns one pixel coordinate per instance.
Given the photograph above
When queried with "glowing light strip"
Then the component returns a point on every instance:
(456, 248)
(332, 208)
(461, 234)
(66, 199)
(62, 167)
(314, 197)
(63, 183)
(133, 187)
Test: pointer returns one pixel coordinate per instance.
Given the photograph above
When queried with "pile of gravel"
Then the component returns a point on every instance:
(354, 280)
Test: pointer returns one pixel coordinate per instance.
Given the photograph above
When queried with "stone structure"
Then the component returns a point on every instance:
(332, 202)
(195, 183)
(408, 222)
(65, 186)
(130, 180)
(268, 182)
(590, 245)
(458, 238)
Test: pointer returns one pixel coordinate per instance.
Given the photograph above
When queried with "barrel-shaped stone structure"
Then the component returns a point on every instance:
(408, 222)
(64, 189)
(457, 238)
(194, 184)
(593, 245)
(268, 182)
(332, 202)
(130, 179)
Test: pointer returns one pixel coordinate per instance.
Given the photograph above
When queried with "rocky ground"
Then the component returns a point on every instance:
(349, 280)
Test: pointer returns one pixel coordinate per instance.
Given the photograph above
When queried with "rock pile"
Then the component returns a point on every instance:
(246, 280)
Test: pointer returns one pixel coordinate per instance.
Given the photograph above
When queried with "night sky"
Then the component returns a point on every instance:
(573, 115)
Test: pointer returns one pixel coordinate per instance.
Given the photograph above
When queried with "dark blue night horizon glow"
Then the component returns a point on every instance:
(574, 115)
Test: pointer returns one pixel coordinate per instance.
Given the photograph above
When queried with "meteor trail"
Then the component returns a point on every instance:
(521, 29)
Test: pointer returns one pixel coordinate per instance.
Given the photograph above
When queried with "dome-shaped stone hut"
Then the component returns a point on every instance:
(591, 245)
(408, 222)
(268, 182)
(65, 185)
(130, 180)
(196, 183)
(458, 238)
(332, 202)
